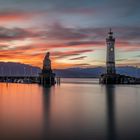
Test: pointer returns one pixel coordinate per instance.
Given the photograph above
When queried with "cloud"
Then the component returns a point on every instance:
(123, 59)
(15, 33)
(78, 11)
(78, 58)
(91, 36)
(77, 38)
(65, 54)
(73, 36)
(81, 65)
(75, 43)
(127, 33)
(34, 55)
(59, 32)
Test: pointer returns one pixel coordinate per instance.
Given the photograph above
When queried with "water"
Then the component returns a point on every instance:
(78, 109)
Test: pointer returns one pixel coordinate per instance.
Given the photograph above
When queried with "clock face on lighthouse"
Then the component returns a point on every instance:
(111, 49)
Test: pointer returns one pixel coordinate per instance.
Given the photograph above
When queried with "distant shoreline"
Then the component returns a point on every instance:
(80, 77)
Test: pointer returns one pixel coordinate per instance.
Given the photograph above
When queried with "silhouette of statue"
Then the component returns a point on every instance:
(47, 64)
(47, 77)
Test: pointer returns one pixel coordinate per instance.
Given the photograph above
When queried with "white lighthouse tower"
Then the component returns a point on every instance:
(110, 58)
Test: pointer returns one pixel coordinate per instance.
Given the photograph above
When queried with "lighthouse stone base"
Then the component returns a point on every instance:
(118, 79)
(47, 79)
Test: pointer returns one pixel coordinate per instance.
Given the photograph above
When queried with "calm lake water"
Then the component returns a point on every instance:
(78, 109)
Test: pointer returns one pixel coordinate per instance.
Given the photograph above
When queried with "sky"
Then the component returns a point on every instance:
(73, 31)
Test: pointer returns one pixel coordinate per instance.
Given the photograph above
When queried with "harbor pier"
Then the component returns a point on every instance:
(45, 78)
(19, 79)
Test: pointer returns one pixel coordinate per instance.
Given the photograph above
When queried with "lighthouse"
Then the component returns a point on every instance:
(111, 77)
(110, 58)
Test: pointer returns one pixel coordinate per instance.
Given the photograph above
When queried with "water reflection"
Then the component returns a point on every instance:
(110, 105)
(122, 104)
(20, 111)
(46, 111)
(73, 112)
(69, 111)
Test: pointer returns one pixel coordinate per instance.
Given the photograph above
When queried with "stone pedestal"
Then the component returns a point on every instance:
(47, 79)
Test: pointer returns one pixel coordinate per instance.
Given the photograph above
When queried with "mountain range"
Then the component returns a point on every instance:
(19, 69)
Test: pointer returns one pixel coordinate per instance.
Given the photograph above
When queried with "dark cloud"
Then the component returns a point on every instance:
(69, 53)
(75, 43)
(106, 11)
(127, 33)
(74, 36)
(78, 58)
(92, 36)
(15, 33)
(82, 65)
(59, 32)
